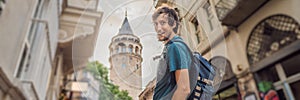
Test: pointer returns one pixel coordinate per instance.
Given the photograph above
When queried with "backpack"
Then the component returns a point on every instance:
(201, 74)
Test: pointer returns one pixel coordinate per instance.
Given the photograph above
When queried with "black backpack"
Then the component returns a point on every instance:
(201, 74)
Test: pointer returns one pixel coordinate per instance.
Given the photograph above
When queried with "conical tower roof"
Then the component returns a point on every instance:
(125, 28)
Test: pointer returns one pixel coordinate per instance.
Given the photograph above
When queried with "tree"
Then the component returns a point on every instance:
(108, 90)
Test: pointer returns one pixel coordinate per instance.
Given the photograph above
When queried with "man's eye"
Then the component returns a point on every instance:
(162, 23)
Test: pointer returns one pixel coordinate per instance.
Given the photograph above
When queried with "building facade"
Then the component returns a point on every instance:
(269, 41)
(125, 60)
(28, 44)
(78, 31)
(36, 47)
(259, 43)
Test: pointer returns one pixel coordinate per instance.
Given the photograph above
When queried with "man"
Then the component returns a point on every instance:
(173, 74)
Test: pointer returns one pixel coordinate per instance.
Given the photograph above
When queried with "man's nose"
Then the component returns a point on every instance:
(158, 29)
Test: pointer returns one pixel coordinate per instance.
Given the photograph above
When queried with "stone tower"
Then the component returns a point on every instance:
(125, 60)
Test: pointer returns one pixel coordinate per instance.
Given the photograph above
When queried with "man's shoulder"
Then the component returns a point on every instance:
(176, 44)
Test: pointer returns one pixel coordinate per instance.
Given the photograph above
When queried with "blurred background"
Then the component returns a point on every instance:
(104, 49)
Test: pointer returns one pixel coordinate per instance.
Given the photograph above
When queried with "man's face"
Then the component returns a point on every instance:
(163, 29)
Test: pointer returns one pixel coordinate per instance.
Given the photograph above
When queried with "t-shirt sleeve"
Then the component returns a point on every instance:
(178, 57)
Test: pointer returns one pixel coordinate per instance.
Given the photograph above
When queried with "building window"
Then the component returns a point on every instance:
(296, 89)
(123, 65)
(209, 14)
(197, 31)
(264, 75)
(291, 65)
(30, 41)
(137, 50)
(117, 50)
(22, 62)
(36, 26)
(123, 47)
(2, 5)
(130, 48)
(270, 35)
(136, 40)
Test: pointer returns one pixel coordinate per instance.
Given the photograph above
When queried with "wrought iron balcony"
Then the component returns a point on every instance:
(235, 12)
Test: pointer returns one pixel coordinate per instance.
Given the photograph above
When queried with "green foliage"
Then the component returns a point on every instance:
(265, 86)
(108, 91)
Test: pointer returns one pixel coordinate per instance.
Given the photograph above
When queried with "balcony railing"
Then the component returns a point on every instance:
(223, 7)
(235, 12)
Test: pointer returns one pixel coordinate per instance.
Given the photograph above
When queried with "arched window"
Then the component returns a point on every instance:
(117, 49)
(122, 47)
(131, 48)
(137, 66)
(270, 35)
(136, 40)
(137, 50)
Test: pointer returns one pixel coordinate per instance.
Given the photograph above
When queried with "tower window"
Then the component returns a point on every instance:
(130, 48)
(137, 41)
(137, 50)
(123, 65)
(118, 49)
(123, 47)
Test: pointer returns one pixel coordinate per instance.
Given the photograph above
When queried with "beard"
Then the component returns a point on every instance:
(164, 37)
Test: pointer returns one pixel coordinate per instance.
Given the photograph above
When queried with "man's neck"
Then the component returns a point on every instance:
(170, 38)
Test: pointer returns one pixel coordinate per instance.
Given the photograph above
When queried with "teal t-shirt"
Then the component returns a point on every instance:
(177, 57)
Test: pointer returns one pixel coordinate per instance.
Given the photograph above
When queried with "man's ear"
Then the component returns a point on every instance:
(174, 25)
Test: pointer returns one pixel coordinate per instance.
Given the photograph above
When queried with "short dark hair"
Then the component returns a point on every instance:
(172, 16)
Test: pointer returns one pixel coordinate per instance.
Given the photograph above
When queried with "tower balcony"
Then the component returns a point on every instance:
(235, 12)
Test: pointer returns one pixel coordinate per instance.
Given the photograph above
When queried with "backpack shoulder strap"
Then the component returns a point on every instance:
(207, 81)
(190, 51)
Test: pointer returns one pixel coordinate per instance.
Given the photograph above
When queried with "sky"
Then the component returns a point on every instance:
(139, 16)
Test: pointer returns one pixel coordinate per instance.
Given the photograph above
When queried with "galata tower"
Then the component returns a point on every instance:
(125, 60)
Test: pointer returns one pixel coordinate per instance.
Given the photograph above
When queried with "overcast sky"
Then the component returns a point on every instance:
(139, 16)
